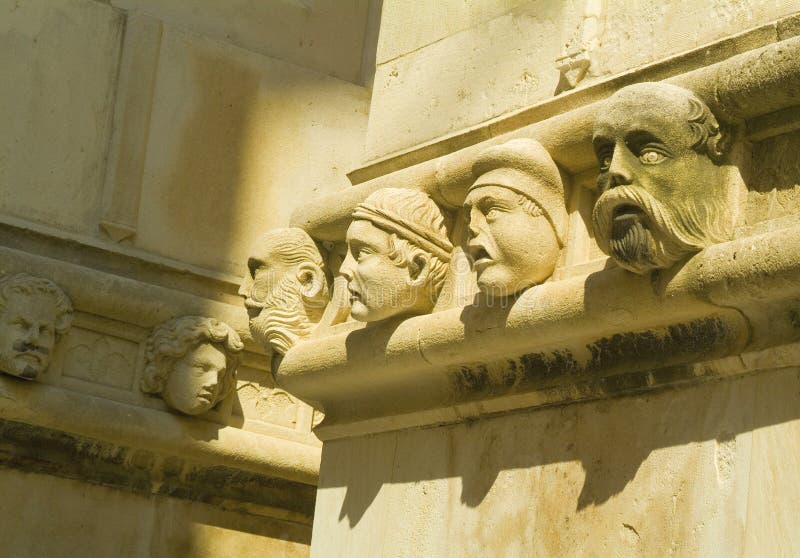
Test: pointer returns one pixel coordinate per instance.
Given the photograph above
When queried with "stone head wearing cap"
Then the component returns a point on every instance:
(398, 252)
(517, 217)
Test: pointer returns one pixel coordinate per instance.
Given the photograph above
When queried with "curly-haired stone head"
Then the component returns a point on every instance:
(191, 363)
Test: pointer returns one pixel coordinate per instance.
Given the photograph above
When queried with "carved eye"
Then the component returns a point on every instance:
(493, 212)
(605, 160)
(651, 156)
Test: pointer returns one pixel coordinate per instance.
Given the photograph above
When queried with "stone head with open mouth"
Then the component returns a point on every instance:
(517, 217)
(664, 192)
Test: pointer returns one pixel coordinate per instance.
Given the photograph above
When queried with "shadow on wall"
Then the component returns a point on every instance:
(611, 439)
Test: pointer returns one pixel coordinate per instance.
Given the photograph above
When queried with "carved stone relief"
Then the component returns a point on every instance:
(191, 363)
(664, 189)
(398, 255)
(34, 314)
(517, 217)
(286, 288)
(101, 359)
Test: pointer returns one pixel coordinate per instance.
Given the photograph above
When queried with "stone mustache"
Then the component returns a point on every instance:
(664, 192)
(34, 314)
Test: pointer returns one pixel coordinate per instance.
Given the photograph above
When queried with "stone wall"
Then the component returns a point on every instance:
(145, 147)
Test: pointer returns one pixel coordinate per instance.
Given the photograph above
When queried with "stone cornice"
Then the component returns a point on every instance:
(557, 342)
(743, 87)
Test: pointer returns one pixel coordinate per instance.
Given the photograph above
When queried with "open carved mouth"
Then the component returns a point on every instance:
(627, 211)
(480, 256)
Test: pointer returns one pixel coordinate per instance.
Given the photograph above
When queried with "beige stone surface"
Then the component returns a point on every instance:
(703, 471)
(455, 65)
(326, 35)
(42, 515)
(58, 63)
(468, 77)
(236, 142)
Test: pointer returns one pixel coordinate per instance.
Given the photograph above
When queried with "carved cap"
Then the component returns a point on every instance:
(524, 166)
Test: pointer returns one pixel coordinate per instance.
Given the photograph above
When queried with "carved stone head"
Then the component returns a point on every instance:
(397, 255)
(286, 289)
(191, 362)
(664, 192)
(34, 314)
(517, 217)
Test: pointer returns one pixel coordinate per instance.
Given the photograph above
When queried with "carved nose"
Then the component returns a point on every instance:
(346, 269)
(620, 171)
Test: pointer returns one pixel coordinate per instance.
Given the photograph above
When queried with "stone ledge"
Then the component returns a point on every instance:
(35, 449)
(733, 298)
(165, 434)
(745, 86)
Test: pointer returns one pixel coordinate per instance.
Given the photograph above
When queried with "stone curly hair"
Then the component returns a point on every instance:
(29, 285)
(175, 338)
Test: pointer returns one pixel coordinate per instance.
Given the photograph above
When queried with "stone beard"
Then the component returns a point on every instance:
(641, 233)
(286, 289)
(34, 314)
(280, 320)
(664, 190)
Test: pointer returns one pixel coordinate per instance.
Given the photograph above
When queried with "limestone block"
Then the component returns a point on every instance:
(42, 515)
(405, 27)
(471, 76)
(58, 62)
(237, 141)
(636, 33)
(325, 35)
(643, 476)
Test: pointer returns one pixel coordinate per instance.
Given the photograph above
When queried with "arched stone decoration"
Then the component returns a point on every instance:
(285, 290)
(397, 255)
(517, 217)
(34, 314)
(191, 363)
(664, 190)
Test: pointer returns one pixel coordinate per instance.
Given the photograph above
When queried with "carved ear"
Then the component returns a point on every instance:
(311, 279)
(419, 269)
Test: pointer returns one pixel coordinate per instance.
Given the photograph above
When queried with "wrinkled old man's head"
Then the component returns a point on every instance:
(517, 217)
(191, 363)
(34, 313)
(397, 255)
(664, 193)
(286, 288)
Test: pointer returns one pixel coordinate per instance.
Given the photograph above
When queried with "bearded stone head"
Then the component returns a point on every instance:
(34, 314)
(664, 190)
(285, 290)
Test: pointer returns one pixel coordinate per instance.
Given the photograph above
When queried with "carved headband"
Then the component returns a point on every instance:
(435, 244)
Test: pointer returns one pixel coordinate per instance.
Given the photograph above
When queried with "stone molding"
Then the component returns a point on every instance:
(741, 88)
(90, 389)
(736, 297)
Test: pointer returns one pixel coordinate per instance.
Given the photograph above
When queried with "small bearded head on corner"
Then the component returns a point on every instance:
(286, 288)
(664, 192)
(34, 314)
